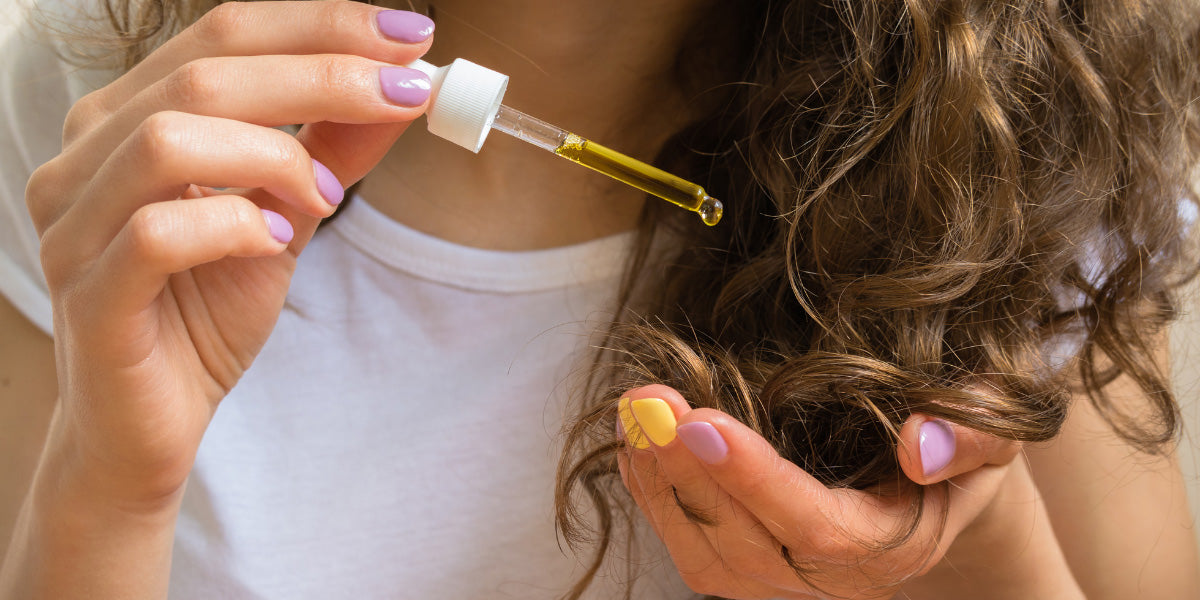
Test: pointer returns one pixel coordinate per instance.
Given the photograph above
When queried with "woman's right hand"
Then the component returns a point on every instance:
(171, 222)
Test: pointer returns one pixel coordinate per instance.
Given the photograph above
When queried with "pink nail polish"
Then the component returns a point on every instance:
(937, 446)
(403, 86)
(704, 441)
(328, 184)
(404, 26)
(279, 227)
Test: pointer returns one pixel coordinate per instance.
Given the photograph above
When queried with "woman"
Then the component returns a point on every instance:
(165, 287)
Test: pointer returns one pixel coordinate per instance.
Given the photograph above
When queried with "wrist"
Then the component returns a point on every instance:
(1008, 552)
(73, 471)
(78, 536)
(77, 494)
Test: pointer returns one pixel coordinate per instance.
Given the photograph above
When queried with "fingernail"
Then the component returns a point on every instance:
(279, 227)
(656, 419)
(328, 184)
(406, 87)
(704, 441)
(633, 433)
(404, 26)
(937, 446)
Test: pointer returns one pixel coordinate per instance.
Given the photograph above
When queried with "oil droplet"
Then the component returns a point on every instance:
(710, 210)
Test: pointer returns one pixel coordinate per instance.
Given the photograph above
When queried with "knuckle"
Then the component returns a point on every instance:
(148, 233)
(334, 16)
(86, 111)
(161, 138)
(288, 155)
(219, 26)
(41, 191)
(338, 74)
(195, 84)
(243, 215)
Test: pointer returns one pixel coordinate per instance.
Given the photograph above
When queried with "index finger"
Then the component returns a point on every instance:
(811, 521)
(264, 28)
(788, 501)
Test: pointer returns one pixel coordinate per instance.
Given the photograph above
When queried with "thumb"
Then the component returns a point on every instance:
(933, 450)
(350, 150)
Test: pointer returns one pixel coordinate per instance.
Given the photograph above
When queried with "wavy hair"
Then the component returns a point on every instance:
(963, 208)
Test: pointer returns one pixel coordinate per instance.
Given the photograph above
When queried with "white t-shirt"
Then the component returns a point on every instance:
(397, 436)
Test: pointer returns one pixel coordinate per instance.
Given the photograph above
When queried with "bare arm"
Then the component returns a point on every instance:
(27, 392)
(164, 290)
(68, 541)
(1121, 516)
(42, 529)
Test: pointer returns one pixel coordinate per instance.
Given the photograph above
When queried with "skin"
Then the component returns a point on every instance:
(163, 292)
(140, 270)
(493, 200)
(1123, 519)
(760, 502)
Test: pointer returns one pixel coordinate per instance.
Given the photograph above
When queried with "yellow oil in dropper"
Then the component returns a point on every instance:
(636, 173)
(642, 176)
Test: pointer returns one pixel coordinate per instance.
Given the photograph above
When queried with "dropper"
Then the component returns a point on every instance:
(465, 104)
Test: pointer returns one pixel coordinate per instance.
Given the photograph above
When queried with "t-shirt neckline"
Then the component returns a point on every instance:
(431, 258)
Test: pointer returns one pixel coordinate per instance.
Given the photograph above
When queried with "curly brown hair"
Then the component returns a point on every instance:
(956, 208)
(951, 207)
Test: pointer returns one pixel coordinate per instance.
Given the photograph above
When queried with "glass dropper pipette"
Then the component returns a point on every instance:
(466, 104)
(638, 174)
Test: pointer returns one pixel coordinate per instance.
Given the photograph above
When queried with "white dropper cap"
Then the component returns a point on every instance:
(463, 102)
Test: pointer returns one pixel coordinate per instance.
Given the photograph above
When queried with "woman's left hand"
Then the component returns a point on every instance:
(755, 516)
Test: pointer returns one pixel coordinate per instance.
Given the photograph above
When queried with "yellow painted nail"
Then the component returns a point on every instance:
(656, 419)
(633, 433)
